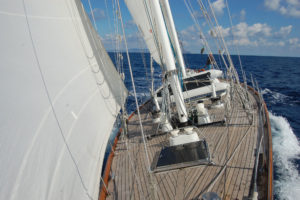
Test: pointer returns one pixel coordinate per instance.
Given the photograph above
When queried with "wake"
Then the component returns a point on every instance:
(286, 151)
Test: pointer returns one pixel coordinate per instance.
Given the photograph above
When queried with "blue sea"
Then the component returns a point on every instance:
(279, 81)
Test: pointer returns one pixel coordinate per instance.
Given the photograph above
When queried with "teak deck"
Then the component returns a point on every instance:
(232, 147)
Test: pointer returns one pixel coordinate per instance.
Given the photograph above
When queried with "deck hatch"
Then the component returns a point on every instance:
(174, 157)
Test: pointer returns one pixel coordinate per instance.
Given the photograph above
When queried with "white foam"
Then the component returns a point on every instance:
(140, 94)
(278, 97)
(286, 149)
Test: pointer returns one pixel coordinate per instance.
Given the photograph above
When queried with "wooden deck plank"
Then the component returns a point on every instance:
(246, 164)
(233, 164)
(180, 185)
(224, 147)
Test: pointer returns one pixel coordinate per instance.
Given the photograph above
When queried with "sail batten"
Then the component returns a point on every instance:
(60, 95)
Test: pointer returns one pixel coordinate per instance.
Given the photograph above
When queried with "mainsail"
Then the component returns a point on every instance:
(60, 96)
(141, 12)
(146, 20)
(152, 10)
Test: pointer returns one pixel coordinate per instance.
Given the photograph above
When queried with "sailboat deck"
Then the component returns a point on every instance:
(231, 145)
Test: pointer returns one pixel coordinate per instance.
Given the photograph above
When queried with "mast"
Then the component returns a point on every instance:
(173, 34)
(169, 62)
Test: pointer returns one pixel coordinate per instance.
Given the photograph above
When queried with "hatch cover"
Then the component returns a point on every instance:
(186, 155)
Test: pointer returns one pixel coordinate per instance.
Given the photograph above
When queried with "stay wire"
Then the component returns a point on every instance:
(134, 90)
(237, 49)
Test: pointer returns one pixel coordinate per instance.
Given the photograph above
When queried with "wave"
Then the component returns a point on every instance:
(286, 151)
(277, 97)
(141, 95)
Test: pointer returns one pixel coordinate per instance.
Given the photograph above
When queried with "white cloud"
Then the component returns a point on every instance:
(218, 6)
(259, 29)
(130, 24)
(293, 41)
(293, 2)
(243, 42)
(190, 33)
(98, 13)
(284, 7)
(283, 10)
(295, 11)
(197, 14)
(242, 15)
(281, 43)
(243, 30)
(134, 41)
(258, 34)
(225, 31)
(191, 38)
(283, 32)
(240, 30)
(272, 4)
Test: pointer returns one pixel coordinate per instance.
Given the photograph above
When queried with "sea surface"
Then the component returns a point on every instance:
(279, 81)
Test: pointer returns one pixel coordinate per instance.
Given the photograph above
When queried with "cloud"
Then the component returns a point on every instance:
(98, 14)
(281, 43)
(259, 29)
(218, 6)
(258, 34)
(130, 24)
(294, 42)
(242, 42)
(242, 15)
(243, 30)
(112, 41)
(283, 32)
(224, 31)
(198, 15)
(272, 4)
(190, 38)
(190, 33)
(284, 7)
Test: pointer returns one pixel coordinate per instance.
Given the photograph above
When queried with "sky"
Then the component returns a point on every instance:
(259, 27)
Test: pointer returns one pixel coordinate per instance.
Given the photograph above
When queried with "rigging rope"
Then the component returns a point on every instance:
(202, 36)
(92, 13)
(237, 49)
(134, 90)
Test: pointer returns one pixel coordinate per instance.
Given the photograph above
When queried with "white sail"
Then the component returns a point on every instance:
(141, 12)
(60, 96)
(148, 13)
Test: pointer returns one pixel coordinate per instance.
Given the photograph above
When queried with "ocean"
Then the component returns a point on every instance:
(279, 80)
